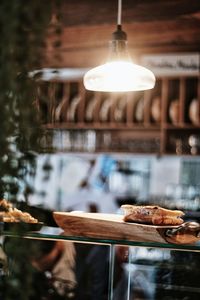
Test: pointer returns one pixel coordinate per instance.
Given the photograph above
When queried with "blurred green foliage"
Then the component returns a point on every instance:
(23, 28)
(23, 31)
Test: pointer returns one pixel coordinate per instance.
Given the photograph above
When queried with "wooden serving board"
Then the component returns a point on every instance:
(109, 226)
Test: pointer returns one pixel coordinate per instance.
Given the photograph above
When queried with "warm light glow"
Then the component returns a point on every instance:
(119, 76)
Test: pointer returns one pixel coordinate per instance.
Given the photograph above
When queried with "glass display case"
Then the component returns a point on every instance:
(96, 268)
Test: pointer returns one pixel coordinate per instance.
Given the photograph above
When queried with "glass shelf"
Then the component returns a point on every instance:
(49, 233)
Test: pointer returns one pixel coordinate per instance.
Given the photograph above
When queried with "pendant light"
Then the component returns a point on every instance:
(119, 73)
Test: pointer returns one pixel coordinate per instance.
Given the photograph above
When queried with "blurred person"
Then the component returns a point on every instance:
(45, 271)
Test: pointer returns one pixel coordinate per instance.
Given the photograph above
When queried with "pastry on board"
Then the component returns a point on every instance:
(152, 214)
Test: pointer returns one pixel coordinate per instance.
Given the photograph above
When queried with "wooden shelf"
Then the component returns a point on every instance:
(163, 113)
(181, 127)
(97, 126)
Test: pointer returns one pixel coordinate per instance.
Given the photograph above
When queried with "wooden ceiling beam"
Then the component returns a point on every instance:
(90, 12)
(151, 26)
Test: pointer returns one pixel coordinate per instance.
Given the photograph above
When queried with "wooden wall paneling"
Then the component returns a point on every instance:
(85, 44)
(78, 12)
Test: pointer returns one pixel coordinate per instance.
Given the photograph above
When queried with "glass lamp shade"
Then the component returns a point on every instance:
(119, 76)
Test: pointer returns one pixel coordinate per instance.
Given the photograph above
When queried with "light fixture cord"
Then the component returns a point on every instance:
(119, 15)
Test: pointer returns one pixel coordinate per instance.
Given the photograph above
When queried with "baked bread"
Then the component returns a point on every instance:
(152, 214)
(10, 214)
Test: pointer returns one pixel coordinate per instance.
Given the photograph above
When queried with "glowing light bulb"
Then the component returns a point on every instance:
(119, 76)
